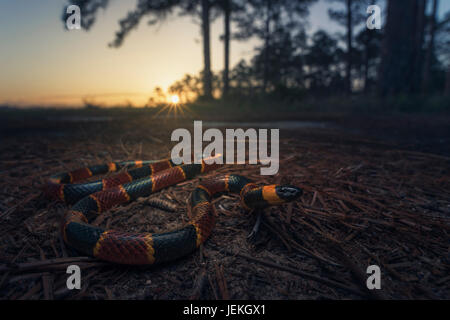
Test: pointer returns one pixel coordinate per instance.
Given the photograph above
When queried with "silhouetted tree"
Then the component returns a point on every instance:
(419, 44)
(323, 63)
(430, 47)
(399, 50)
(155, 10)
(207, 86)
(226, 7)
(352, 15)
(263, 19)
(409, 54)
(442, 48)
(282, 61)
(190, 87)
(367, 47)
(242, 79)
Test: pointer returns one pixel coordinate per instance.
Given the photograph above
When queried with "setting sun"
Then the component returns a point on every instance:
(175, 99)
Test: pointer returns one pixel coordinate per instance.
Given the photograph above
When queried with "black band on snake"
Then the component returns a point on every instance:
(142, 179)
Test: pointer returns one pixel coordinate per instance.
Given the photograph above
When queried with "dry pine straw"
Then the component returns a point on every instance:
(363, 204)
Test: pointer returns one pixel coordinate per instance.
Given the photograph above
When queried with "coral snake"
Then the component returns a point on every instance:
(140, 179)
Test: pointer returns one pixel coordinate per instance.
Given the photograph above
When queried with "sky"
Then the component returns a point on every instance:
(42, 64)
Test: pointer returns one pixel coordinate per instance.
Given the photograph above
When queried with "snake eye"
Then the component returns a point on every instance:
(288, 193)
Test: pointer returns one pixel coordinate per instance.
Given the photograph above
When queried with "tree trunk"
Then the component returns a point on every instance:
(397, 67)
(420, 37)
(366, 65)
(367, 39)
(227, 14)
(430, 48)
(447, 84)
(349, 46)
(266, 47)
(207, 77)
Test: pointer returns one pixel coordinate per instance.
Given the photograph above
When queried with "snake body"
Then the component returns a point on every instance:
(140, 180)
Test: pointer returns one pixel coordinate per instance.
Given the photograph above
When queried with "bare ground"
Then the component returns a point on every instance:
(366, 201)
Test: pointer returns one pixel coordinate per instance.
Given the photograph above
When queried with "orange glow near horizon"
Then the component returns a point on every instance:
(173, 107)
(44, 65)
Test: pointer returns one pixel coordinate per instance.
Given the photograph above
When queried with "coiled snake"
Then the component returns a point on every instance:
(140, 180)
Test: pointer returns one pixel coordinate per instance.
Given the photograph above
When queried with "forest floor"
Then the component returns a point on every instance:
(376, 192)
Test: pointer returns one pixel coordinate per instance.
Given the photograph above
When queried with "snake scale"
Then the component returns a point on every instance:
(140, 179)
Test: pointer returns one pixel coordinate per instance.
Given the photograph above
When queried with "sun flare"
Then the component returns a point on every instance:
(173, 108)
(175, 99)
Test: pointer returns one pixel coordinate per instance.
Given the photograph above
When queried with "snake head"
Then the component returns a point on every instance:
(288, 192)
(269, 195)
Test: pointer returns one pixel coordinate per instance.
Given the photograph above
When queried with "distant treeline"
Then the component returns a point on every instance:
(410, 54)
